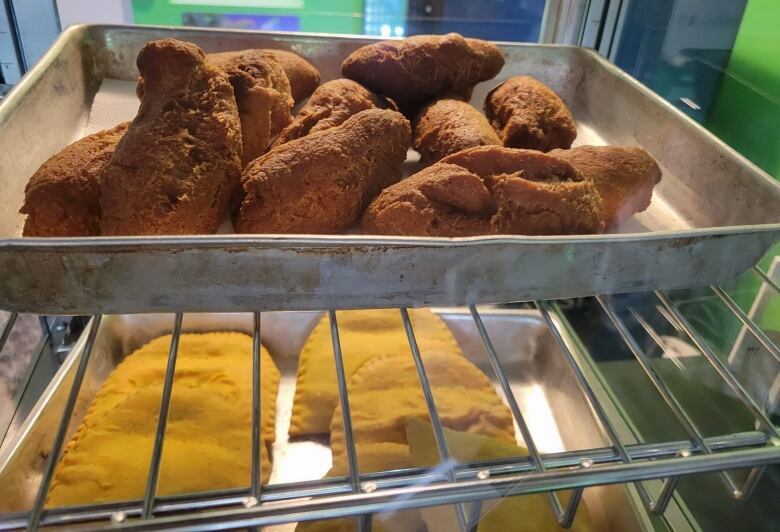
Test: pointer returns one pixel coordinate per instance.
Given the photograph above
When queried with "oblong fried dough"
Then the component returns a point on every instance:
(526, 113)
(624, 177)
(62, 197)
(416, 70)
(330, 105)
(263, 97)
(489, 190)
(303, 76)
(321, 183)
(177, 168)
(448, 126)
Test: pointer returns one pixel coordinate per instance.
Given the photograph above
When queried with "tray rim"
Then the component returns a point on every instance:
(308, 240)
(282, 241)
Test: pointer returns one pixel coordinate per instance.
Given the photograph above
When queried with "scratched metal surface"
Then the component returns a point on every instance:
(713, 215)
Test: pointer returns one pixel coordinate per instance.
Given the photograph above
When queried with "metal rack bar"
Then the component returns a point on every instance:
(565, 517)
(333, 486)
(743, 492)
(657, 506)
(722, 370)
(739, 493)
(162, 421)
(671, 401)
(762, 338)
(543, 308)
(6, 332)
(346, 415)
(438, 430)
(54, 455)
(257, 464)
(444, 493)
(768, 280)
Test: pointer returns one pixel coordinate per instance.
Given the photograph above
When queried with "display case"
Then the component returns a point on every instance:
(624, 381)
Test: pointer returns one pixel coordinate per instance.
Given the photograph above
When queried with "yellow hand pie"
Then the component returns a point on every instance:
(208, 438)
(530, 513)
(364, 334)
(385, 392)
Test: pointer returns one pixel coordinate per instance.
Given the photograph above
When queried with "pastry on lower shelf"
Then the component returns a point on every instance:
(364, 334)
(526, 113)
(329, 106)
(303, 76)
(624, 177)
(448, 126)
(418, 69)
(263, 96)
(527, 513)
(178, 166)
(489, 190)
(208, 439)
(385, 392)
(321, 183)
(62, 197)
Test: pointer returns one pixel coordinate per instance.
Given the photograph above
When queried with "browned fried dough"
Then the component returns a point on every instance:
(303, 77)
(449, 126)
(526, 113)
(262, 94)
(177, 167)
(418, 69)
(62, 197)
(330, 105)
(321, 183)
(489, 190)
(624, 177)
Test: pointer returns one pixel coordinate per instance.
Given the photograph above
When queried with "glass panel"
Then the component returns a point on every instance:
(496, 19)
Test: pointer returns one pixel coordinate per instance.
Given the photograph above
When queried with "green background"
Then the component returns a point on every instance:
(341, 16)
(746, 114)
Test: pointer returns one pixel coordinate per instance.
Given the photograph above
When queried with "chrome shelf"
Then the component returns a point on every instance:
(360, 494)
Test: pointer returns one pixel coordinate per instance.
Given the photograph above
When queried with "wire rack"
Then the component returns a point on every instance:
(466, 484)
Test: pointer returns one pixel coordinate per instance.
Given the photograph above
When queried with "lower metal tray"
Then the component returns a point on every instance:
(543, 383)
(713, 215)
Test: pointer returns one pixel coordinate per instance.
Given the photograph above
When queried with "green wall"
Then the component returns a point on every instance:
(342, 16)
(746, 113)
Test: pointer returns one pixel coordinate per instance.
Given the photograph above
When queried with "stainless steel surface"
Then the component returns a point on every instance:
(713, 215)
(543, 386)
(663, 390)
(338, 359)
(162, 421)
(62, 430)
(256, 487)
(723, 370)
(564, 517)
(430, 403)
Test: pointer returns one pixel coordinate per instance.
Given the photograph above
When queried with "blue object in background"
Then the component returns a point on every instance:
(502, 20)
(384, 18)
(679, 48)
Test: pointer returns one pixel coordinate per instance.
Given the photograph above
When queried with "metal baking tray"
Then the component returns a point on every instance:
(542, 381)
(713, 215)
